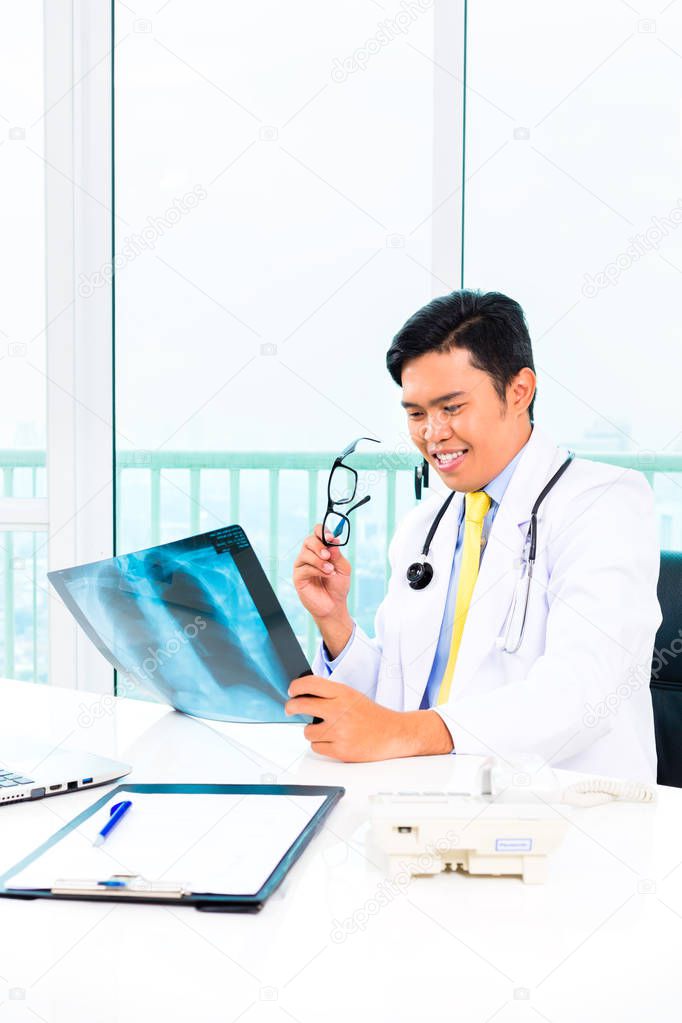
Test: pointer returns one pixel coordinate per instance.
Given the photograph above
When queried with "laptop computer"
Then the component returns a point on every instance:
(195, 621)
(32, 770)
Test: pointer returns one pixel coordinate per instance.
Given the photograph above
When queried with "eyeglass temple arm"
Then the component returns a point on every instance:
(351, 447)
(339, 528)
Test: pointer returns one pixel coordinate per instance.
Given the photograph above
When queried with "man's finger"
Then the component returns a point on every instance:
(312, 705)
(311, 556)
(325, 749)
(316, 548)
(305, 572)
(318, 733)
(315, 706)
(312, 685)
(317, 532)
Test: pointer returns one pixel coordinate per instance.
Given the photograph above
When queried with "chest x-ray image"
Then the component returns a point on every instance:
(195, 620)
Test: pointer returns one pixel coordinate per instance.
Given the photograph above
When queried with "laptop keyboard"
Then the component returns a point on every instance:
(8, 780)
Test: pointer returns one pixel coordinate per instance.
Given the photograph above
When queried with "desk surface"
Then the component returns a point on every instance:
(338, 941)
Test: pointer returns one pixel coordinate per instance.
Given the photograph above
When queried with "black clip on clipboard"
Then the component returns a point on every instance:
(136, 888)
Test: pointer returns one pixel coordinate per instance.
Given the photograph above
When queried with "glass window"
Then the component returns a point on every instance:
(574, 208)
(274, 168)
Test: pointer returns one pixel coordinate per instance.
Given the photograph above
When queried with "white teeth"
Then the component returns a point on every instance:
(450, 457)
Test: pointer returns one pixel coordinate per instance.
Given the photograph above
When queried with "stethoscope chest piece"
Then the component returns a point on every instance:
(419, 574)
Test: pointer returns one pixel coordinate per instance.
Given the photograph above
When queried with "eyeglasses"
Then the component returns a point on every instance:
(341, 488)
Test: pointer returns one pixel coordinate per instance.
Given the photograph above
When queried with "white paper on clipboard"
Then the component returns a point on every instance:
(212, 843)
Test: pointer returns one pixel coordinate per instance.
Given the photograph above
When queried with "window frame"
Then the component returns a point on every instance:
(79, 332)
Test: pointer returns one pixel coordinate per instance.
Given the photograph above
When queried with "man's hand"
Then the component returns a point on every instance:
(322, 580)
(322, 577)
(356, 729)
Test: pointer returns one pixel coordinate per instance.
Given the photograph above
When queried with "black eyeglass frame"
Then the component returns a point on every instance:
(332, 506)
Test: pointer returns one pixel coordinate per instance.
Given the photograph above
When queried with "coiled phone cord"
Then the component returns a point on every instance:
(594, 791)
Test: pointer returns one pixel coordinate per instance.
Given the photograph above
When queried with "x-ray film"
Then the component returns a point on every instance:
(195, 620)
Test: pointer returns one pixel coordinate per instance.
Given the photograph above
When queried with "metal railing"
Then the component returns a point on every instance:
(10, 462)
(314, 466)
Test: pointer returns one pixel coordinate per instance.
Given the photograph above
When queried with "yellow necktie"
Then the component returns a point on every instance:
(476, 506)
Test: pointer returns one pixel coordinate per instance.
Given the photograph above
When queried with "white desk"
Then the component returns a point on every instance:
(599, 941)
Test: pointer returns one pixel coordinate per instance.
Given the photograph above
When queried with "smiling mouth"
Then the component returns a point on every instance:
(450, 459)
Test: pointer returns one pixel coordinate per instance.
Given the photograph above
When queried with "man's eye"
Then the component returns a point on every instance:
(451, 408)
(413, 415)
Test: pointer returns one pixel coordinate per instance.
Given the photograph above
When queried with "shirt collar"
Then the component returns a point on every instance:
(497, 486)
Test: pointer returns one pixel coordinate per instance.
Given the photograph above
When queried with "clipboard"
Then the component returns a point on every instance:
(178, 845)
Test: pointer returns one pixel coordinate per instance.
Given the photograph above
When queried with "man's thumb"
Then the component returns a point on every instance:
(340, 562)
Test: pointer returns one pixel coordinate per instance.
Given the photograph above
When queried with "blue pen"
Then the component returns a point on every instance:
(117, 812)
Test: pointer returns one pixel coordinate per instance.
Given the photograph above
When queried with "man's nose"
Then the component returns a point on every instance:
(437, 427)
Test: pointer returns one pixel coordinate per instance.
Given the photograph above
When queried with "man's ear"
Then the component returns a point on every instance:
(521, 390)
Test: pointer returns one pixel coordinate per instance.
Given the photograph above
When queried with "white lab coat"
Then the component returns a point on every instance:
(577, 690)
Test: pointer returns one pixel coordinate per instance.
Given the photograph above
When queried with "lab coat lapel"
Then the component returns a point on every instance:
(500, 565)
(422, 611)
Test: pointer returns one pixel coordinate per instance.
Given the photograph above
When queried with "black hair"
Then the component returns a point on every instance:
(489, 325)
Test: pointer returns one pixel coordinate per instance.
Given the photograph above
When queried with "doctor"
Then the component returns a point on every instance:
(446, 672)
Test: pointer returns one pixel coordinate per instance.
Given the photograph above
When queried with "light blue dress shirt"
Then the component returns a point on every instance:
(495, 490)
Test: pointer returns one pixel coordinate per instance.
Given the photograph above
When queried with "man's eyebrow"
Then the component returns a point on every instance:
(436, 401)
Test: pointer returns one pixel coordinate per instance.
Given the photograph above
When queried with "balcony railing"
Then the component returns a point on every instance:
(151, 465)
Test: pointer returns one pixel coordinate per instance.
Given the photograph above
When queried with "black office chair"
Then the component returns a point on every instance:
(666, 672)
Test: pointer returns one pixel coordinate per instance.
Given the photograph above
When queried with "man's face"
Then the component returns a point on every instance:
(458, 421)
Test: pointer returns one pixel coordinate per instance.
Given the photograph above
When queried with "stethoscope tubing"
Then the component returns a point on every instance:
(531, 541)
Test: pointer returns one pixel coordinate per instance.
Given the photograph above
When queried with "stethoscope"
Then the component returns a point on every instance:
(420, 573)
